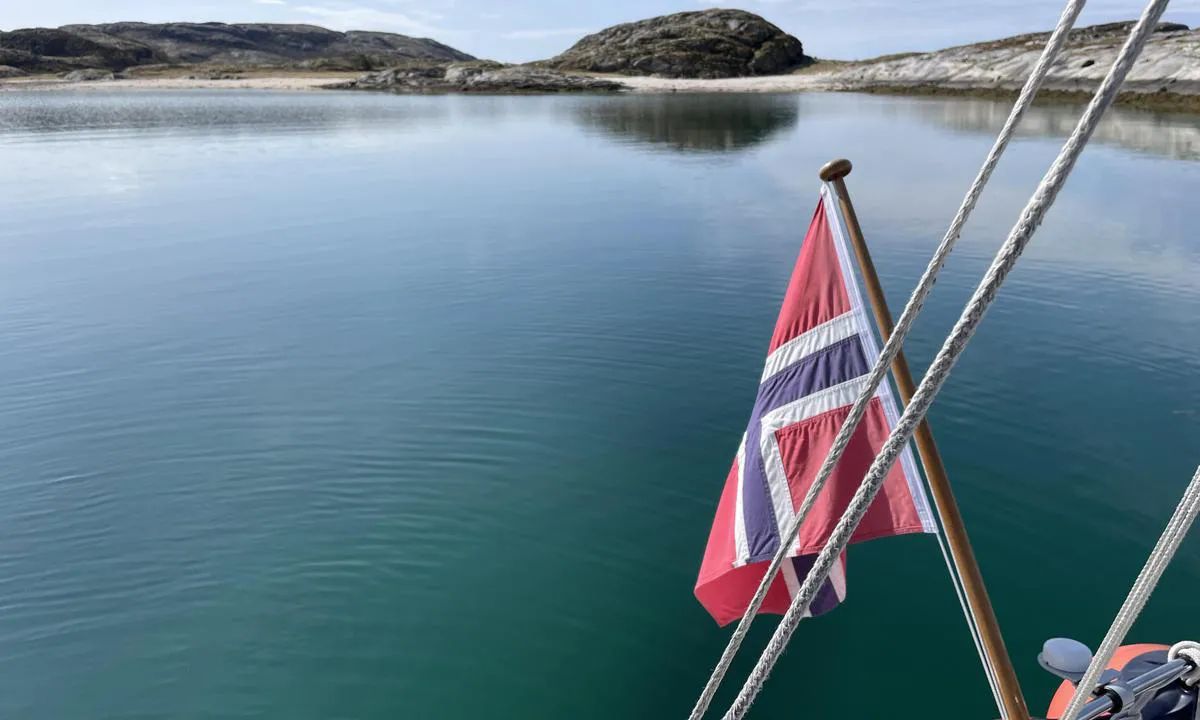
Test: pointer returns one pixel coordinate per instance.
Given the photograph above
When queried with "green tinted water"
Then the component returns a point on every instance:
(345, 406)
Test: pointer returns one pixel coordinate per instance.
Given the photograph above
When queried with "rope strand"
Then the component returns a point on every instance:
(911, 310)
(1031, 217)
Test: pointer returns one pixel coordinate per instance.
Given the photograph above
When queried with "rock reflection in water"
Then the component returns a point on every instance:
(1169, 135)
(691, 123)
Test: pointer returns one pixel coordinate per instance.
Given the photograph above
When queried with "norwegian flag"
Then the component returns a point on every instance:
(822, 350)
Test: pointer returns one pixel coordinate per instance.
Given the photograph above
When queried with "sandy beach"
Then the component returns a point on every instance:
(281, 82)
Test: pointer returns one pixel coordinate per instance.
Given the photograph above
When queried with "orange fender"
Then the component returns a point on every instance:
(1123, 655)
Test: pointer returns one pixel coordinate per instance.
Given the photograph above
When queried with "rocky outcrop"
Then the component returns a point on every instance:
(706, 44)
(1170, 63)
(523, 79)
(58, 49)
(89, 75)
(477, 77)
(8, 71)
(120, 45)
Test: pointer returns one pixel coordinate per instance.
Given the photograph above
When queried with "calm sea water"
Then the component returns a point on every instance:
(350, 406)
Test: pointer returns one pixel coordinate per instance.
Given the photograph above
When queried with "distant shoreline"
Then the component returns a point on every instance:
(259, 79)
(814, 80)
(1188, 102)
(1153, 101)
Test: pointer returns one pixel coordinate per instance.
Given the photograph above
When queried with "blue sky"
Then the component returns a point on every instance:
(517, 30)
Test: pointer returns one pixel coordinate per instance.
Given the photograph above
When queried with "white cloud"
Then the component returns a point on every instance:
(363, 18)
(547, 33)
(269, 2)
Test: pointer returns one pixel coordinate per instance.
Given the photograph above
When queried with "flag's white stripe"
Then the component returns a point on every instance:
(815, 340)
(741, 545)
(777, 483)
(907, 462)
(810, 406)
(833, 216)
(792, 581)
(837, 577)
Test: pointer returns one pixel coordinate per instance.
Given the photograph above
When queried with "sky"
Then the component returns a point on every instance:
(521, 30)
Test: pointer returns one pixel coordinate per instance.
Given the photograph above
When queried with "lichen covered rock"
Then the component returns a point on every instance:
(706, 44)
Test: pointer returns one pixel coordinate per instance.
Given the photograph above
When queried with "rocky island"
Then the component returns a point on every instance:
(707, 44)
(117, 47)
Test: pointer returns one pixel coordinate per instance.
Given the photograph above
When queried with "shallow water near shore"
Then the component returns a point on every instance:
(322, 405)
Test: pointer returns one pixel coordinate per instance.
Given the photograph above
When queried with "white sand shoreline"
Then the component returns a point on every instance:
(763, 84)
(297, 83)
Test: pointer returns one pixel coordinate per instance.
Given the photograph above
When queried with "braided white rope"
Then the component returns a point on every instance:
(1190, 651)
(1160, 557)
(911, 310)
(1031, 217)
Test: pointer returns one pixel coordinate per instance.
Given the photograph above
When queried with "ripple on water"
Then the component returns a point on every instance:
(451, 447)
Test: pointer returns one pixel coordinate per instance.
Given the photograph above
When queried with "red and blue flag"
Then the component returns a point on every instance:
(820, 354)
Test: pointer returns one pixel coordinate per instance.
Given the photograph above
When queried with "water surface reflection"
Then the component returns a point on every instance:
(692, 123)
(1176, 136)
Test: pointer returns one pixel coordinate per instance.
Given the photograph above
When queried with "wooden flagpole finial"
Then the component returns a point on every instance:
(836, 169)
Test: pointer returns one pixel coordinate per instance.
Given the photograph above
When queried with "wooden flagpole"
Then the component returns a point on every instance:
(956, 534)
